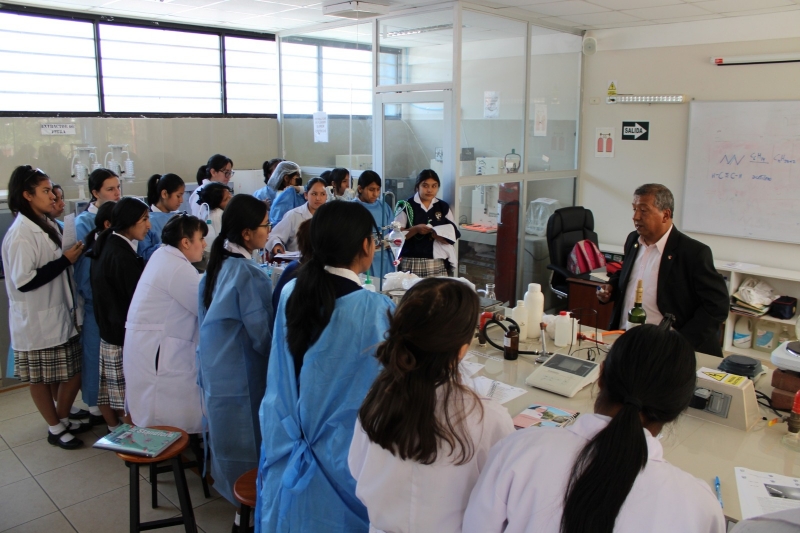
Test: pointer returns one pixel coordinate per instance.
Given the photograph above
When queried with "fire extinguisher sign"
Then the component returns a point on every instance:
(604, 142)
(635, 131)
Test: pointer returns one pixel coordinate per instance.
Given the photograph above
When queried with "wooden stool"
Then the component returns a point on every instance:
(173, 454)
(244, 490)
(195, 442)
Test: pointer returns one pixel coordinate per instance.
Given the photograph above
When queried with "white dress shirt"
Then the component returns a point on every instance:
(285, 231)
(193, 206)
(522, 487)
(404, 496)
(645, 268)
(440, 251)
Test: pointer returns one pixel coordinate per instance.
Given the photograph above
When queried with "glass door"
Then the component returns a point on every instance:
(414, 133)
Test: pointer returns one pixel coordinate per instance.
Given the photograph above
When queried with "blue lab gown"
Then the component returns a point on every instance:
(266, 193)
(232, 356)
(382, 262)
(90, 333)
(285, 201)
(152, 240)
(304, 483)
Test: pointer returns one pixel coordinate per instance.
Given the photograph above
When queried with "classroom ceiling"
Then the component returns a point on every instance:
(277, 15)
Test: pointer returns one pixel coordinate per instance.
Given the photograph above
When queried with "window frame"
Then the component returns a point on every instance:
(96, 20)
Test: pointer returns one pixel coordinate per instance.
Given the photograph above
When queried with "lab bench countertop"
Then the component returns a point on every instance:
(704, 449)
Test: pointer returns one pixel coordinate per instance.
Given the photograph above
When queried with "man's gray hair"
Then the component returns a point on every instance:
(662, 196)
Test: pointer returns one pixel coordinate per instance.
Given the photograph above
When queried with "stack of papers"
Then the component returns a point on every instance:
(763, 493)
(740, 307)
(496, 390)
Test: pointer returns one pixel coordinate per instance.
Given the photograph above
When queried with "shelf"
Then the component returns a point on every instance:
(757, 270)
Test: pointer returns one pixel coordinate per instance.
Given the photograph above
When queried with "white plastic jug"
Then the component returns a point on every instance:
(743, 333)
(520, 316)
(534, 304)
(564, 331)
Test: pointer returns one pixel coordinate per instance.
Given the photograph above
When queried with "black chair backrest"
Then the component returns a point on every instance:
(566, 227)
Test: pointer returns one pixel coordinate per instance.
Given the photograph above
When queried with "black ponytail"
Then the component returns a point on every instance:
(103, 215)
(180, 226)
(212, 194)
(158, 183)
(26, 179)
(126, 213)
(650, 372)
(338, 230)
(243, 212)
(215, 162)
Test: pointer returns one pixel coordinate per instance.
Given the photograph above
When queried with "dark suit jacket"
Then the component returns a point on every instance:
(689, 287)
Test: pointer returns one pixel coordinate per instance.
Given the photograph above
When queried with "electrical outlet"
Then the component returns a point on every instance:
(594, 100)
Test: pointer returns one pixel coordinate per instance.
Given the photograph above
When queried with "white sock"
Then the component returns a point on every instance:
(70, 424)
(95, 411)
(73, 410)
(112, 428)
(58, 428)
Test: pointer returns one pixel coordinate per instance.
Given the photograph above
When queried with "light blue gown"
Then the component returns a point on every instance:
(232, 356)
(285, 201)
(304, 483)
(382, 263)
(266, 193)
(90, 333)
(152, 241)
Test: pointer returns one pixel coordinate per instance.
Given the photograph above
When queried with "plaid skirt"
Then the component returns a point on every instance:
(50, 365)
(112, 381)
(424, 268)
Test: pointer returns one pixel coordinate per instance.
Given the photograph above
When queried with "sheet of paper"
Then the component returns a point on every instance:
(484, 355)
(70, 236)
(288, 255)
(740, 266)
(470, 368)
(501, 392)
(320, 127)
(762, 493)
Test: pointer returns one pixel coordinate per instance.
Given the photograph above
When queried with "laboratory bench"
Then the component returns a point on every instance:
(702, 448)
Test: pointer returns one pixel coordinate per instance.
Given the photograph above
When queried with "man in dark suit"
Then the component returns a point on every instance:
(677, 271)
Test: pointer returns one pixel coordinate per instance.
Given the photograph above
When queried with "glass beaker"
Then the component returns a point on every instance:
(490, 295)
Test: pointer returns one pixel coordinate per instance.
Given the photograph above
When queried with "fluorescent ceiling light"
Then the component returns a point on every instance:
(426, 29)
(755, 59)
(647, 99)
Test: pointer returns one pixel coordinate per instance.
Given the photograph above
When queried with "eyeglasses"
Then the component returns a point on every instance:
(229, 173)
(33, 172)
(267, 225)
(377, 239)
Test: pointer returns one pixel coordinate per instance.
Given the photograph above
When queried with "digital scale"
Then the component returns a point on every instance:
(564, 375)
(787, 356)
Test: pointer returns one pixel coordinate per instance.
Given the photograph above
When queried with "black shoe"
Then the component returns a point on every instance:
(82, 413)
(71, 444)
(96, 420)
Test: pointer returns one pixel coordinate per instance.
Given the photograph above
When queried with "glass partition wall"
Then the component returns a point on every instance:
(490, 103)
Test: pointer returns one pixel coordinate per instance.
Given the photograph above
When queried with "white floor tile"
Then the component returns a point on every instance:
(22, 502)
(16, 403)
(84, 480)
(216, 516)
(166, 486)
(3, 445)
(40, 456)
(11, 469)
(52, 523)
(23, 429)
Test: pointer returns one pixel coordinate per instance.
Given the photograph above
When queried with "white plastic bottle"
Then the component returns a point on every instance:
(520, 316)
(563, 329)
(534, 304)
(742, 333)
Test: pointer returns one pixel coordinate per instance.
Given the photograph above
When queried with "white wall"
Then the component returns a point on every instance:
(607, 184)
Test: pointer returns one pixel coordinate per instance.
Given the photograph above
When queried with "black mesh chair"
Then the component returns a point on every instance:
(566, 227)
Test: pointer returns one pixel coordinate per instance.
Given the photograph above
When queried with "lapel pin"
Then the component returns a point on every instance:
(669, 257)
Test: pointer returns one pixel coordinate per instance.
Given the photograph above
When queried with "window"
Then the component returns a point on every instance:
(160, 71)
(346, 81)
(251, 75)
(300, 65)
(47, 64)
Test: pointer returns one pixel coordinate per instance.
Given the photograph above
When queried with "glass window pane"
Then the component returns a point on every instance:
(300, 78)
(251, 75)
(554, 100)
(421, 45)
(492, 92)
(47, 64)
(160, 71)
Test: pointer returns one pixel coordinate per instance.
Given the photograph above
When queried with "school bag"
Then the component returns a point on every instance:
(585, 257)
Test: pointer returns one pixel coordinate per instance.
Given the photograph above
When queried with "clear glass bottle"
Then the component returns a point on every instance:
(490, 295)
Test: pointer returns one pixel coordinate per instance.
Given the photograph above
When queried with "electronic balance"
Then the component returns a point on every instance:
(564, 375)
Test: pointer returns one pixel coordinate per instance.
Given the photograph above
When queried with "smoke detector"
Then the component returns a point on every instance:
(354, 9)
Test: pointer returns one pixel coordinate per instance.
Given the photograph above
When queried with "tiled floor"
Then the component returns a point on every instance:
(45, 488)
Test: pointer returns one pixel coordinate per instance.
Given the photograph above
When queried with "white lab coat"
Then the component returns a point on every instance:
(193, 206)
(163, 318)
(408, 497)
(41, 318)
(522, 487)
(285, 231)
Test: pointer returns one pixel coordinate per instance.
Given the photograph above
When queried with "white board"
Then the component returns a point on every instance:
(743, 170)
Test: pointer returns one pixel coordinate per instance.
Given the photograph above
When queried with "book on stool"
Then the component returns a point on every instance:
(148, 442)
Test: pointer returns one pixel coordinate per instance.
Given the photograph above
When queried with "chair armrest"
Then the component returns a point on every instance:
(561, 270)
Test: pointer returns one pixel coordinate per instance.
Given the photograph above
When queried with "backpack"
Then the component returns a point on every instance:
(585, 257)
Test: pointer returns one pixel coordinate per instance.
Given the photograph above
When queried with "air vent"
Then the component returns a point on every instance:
(354, 9)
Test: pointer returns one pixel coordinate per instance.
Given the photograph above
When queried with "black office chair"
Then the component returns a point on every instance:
(565, 228)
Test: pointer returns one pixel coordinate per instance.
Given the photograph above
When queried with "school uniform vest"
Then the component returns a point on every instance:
(422, 245)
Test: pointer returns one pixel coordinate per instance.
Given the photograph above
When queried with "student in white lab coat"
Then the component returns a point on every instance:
(161, 332)
(283, 236)
(218, 169)
(606, 472)
(41, 317)
(422, 436)
(213, 200)
(339, 188)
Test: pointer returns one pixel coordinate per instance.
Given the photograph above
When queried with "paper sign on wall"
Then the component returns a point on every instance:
(540, 120)
(491, 104)
(604, 142)
(320, 127)
(58, 129)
